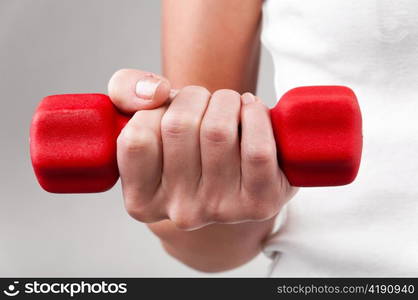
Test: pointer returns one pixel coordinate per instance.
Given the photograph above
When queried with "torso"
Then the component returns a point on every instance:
(368, 228)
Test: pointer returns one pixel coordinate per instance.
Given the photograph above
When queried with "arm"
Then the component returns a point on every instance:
(202, 171)
(214, 44)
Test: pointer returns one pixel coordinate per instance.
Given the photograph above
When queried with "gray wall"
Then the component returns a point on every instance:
(51, 46)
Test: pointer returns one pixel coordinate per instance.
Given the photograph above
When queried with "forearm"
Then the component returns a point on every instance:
(215, 44)
(216, 247)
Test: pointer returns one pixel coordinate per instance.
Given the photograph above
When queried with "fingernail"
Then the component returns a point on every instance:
(247, 98)
(146, 87)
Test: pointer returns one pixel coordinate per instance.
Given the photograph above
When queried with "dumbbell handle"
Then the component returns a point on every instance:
(317, 131)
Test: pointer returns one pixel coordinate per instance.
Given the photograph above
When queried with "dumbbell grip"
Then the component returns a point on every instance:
(317, 132)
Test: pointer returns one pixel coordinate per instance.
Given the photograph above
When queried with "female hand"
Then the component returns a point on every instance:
(201, 159)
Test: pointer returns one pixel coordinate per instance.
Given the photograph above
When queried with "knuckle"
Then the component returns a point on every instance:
(260, 154)
(263, 210)
(186, 222)
(221, 210)
(139, 212)
(218, 216)
(218, 132)
(185, 219)
(177, 125)
(133, 210)
(226, 93)
(214, 213)
(196, 90)
(134, 139)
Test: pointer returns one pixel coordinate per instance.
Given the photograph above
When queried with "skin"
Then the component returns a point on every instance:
(208, 190)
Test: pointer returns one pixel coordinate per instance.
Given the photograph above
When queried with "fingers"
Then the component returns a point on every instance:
(133, 90)
(258, 149)
(219, 140)
(180, 131)
(139, 154)
(186, 161)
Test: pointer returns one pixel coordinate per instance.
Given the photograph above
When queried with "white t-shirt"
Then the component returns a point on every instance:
(368, 228)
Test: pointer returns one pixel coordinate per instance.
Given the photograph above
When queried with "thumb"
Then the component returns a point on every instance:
(132, 90)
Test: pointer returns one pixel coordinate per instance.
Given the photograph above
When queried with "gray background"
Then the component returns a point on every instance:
(48, 47)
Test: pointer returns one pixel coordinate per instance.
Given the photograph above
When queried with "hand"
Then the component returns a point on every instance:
(187, 161)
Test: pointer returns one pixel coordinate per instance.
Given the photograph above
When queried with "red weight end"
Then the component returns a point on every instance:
(318, 132)
(73, 143)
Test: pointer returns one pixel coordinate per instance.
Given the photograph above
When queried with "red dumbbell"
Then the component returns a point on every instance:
(318, 132)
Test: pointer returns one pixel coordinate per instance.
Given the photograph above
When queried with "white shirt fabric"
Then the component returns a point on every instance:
(368, 228)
